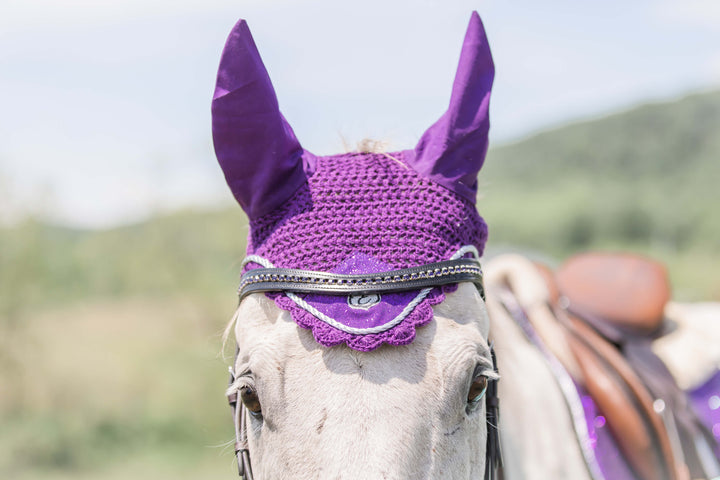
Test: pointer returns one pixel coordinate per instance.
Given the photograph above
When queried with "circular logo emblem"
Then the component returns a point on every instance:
(363, 302)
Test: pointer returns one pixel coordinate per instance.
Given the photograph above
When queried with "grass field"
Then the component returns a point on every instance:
(104, 387)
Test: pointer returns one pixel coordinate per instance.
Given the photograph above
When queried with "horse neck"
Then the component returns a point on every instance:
(535, 423)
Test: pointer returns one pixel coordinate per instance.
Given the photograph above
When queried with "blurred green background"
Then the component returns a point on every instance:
(110, 340)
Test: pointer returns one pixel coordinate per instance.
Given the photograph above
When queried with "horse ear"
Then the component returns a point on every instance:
(256, 148)
(452, 151)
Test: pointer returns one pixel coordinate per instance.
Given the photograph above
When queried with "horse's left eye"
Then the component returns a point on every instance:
(478, 387)
(249, 397)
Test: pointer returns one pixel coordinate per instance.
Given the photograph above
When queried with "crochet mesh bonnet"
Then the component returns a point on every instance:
(354, 212)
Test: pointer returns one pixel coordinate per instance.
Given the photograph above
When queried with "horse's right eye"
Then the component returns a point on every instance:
(478, 387)
(250, 399)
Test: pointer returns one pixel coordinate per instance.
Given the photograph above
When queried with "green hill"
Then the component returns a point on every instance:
(655, 141)
(641, 179)
(188, 252)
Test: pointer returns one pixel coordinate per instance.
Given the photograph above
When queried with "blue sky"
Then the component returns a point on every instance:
(105, 105)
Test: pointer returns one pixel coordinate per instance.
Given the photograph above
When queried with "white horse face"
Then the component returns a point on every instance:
(398, 412)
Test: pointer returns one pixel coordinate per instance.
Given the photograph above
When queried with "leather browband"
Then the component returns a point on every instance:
(415, 278)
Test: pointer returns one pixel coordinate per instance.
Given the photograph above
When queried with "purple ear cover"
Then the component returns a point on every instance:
(452, 151)
(256, 148)
(264, 164)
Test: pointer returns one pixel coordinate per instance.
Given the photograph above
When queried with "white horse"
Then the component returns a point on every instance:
(692, 350)
(319, 405)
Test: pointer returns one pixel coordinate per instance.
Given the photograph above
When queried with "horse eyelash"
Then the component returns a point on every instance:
(240, 381)
(487, 369)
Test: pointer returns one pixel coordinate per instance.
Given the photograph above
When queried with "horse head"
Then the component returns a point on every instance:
(384, 381)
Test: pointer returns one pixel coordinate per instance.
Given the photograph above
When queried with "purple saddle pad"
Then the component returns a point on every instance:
(706, 400)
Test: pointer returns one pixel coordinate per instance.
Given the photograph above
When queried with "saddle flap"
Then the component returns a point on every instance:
(629, 291)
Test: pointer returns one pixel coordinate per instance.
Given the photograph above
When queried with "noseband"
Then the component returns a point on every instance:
(305, 281)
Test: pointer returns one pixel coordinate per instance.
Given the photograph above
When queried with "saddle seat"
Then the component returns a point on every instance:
(628, 291)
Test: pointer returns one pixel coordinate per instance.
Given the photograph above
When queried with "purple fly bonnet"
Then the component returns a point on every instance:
(356, 212)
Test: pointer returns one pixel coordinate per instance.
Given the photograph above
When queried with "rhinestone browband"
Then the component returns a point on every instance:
(306, 281)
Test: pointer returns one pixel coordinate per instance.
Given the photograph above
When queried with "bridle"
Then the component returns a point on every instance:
(305, 281)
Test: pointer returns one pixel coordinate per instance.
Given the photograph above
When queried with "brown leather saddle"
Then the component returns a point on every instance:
(624, 291)
(607, 309)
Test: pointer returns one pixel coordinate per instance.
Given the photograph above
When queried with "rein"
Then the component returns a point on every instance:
(268, 279)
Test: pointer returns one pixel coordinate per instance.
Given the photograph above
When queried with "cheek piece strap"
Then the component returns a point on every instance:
(239, 416)
(493, 452)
